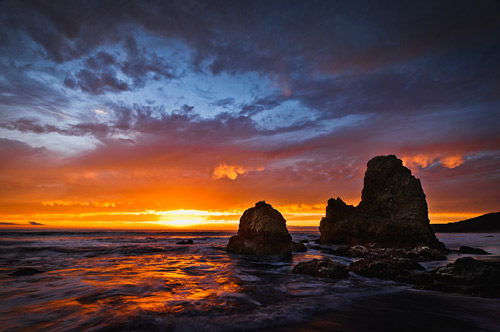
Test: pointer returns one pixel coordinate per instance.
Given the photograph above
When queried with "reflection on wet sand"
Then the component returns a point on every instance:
(145, 281)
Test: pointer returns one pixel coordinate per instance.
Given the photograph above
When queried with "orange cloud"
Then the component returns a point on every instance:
(71, 203)
(231, 171)
(452, 161)
(425, 160)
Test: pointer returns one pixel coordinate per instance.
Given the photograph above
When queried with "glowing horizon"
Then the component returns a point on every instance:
(179, 219)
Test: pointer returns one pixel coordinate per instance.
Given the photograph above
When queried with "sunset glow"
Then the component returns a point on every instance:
(125, 121)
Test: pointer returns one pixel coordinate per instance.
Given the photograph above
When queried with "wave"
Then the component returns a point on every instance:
(129, 250)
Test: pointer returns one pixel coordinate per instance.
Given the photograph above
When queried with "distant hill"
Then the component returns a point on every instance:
(487, 223)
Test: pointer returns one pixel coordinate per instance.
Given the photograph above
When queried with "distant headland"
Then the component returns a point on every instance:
(487, 223)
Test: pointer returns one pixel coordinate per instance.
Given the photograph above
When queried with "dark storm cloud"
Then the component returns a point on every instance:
(309, 38)
(100, 72)
(97, 83)
(184, 125)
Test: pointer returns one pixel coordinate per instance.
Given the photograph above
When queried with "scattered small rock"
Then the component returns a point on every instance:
(324, 268)
(25, 271)
(185, 242)
(398, 269)
(298, 247)
(474, 251)
(421, 253)
(426, 254)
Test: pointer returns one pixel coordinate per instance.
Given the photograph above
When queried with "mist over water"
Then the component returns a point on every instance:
(144, 281)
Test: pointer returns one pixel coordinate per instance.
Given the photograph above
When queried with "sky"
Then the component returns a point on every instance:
(140, 114)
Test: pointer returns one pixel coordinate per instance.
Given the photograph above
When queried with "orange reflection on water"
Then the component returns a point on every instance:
(157, 283)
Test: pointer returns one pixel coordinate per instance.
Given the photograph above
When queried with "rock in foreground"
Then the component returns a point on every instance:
(392, 212)
(324, 268)
(262, 231)
(469, 276)
(401, 269)
(420, 254)
(468, 270)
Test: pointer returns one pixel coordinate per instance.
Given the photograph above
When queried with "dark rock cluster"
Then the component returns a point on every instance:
(392, 211)
(389, 232)
(466, 275)
(420, 254)
(324, 268)
(398, 269)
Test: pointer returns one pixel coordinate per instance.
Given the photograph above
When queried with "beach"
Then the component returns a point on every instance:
(146, 281)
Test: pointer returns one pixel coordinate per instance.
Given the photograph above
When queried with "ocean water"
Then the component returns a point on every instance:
(144, 281)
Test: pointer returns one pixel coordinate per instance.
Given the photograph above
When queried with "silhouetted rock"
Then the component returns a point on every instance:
(487, 223)
(324, 268)
(421, 253)
(298, 247)
(185, 242)
(25, 271)
(473, 251)
(398, 269)
(392, 211)
(467, 275)
(468, 270)
(262, 231)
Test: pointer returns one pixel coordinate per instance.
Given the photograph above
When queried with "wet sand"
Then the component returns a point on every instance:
(409, 310)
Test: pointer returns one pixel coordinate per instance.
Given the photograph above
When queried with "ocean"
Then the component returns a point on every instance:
(145, 281)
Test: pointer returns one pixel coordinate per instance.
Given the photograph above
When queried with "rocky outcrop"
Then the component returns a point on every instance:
(324, 268)
(468, 270)
(262, 231)
(402, 269)
(467, 275)
(472, 251)
(420, 254)
(298, 247)
(392, 212)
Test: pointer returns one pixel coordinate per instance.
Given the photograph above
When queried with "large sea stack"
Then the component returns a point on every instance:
(262, 231)
(392, 211)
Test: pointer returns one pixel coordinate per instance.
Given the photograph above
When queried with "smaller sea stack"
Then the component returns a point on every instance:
(262, 231)
(392, 212)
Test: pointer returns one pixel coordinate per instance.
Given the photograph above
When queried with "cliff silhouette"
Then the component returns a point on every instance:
(487, 223)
